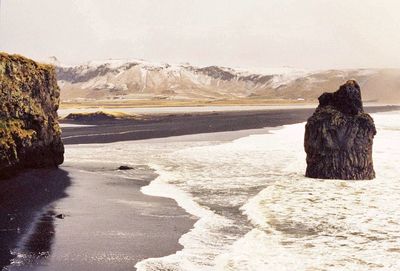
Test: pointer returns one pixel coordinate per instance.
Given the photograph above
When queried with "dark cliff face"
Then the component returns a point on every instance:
(339, 136)
(30, 136)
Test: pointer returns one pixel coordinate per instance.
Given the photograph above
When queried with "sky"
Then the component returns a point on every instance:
(311, 34)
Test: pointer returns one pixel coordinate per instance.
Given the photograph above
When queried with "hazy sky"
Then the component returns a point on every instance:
(240, 33)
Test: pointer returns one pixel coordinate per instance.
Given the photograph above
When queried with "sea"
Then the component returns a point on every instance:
(255, 208)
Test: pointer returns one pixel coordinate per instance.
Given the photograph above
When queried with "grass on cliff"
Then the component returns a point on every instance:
(22, 81)
(10, 129)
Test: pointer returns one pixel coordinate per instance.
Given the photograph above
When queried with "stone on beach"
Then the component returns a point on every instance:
(125, 168)
(339, 136)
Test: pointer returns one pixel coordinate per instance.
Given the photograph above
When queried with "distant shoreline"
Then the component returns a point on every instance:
(176, 124)
(177, 109)
(182, 103)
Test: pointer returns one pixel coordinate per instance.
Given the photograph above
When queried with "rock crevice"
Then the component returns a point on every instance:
(339, 136)
(30, 136)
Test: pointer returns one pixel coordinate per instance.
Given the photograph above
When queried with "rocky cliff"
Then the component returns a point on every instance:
(339, 136)
(30, 136)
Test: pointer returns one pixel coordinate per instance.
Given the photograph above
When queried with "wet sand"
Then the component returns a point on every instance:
(22, 200)
(103, 223)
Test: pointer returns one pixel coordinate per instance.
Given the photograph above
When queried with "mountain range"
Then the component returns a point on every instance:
(138, 79)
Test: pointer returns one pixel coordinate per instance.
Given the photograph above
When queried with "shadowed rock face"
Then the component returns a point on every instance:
(339, 136)
(30, 136)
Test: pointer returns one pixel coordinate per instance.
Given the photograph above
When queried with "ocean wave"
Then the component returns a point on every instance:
(257, 211)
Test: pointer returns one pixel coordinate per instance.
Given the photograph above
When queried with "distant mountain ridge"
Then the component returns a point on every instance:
(138, 79)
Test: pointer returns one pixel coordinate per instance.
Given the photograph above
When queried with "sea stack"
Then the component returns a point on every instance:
(339, 136)
(30, 136)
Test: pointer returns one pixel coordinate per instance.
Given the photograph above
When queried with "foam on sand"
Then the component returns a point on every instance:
(256, 209)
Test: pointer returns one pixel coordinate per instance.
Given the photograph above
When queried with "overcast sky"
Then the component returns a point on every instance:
(239, 33)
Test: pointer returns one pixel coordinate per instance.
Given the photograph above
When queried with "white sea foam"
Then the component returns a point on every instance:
(256, 209)
(69, 125)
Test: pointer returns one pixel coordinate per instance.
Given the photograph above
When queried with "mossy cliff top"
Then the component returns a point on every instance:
(30, 136)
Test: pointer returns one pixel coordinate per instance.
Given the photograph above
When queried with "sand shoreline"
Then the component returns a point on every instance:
(167, 125)
(106, 222)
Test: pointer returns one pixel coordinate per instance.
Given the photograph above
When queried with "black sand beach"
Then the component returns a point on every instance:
(86, 219)
(81, 217)
(166, 125)
(26, 199)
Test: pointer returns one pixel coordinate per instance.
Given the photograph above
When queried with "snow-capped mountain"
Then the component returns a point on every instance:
(138, 79)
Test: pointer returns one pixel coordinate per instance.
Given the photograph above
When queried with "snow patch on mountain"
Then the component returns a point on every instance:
(139, 79)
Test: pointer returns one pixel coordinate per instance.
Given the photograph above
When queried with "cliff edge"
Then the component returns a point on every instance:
(339, 136)
(30, 136)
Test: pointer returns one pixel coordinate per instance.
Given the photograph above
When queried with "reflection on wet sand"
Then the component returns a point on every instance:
(26, 221)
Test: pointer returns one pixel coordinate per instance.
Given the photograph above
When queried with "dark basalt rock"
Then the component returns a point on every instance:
(30, 136)
(339, 136)
(125, 168)
(60, 216)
